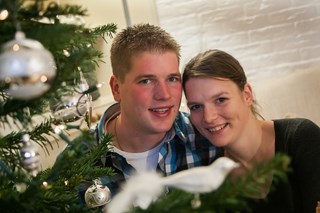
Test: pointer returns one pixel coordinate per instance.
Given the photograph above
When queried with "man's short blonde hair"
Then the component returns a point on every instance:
(138, 39)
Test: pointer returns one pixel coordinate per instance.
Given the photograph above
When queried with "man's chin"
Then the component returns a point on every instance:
(163, 128)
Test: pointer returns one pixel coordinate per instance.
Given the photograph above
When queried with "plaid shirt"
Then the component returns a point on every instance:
(182, 149)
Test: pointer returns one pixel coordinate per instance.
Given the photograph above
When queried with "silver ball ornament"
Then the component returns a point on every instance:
(27, 67)
(97, 195)
(30, 156)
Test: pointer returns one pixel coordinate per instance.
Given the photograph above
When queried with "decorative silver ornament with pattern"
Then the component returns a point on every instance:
(97, 195)
(26, 67)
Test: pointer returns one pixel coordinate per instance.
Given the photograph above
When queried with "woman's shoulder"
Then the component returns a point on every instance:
(293, 123)
(296, 132)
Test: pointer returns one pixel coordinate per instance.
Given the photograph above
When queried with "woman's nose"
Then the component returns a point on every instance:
(209, 114)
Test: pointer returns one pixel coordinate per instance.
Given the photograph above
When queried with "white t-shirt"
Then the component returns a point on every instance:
(142, 161)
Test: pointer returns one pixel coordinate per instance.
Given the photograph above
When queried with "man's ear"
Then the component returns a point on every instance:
(115, 88)
(248, 94)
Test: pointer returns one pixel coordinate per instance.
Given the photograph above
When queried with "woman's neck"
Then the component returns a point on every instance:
(257, 144)
(257, 147)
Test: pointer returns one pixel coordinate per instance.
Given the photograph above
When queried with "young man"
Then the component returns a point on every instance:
(149, 131)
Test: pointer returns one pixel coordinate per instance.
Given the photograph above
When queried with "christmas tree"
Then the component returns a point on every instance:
(48, 56)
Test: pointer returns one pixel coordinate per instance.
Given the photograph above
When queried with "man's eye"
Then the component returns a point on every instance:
(145, 81)
(194, 107)
(174, 79)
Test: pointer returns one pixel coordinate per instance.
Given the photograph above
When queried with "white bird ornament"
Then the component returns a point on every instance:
(145, 187)
(202, 179)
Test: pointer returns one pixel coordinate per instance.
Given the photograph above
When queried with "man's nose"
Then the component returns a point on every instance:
(162, 91)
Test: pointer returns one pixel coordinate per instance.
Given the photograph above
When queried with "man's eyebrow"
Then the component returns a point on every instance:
(144, 76)
(175, 74)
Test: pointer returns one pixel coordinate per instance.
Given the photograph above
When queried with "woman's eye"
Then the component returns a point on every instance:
(221, 100)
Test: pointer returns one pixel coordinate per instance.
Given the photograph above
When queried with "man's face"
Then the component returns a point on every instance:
(151, 92)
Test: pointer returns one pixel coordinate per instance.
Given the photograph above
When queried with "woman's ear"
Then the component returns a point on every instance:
(248, 94)
(115, 88)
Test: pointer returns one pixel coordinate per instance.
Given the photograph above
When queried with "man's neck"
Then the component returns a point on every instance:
(130, 140)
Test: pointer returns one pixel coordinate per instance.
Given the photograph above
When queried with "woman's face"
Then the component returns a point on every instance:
(218, 109)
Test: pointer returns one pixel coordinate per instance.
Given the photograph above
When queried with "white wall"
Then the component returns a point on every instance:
(269, 37)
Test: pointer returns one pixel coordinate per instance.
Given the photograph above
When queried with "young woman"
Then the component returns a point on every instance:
(223, 109)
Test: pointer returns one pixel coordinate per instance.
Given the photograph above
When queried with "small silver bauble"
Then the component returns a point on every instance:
(97, 195)
(27, 67)
(30, 156)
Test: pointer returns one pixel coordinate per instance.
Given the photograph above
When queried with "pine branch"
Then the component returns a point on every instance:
(55, 190)
(53, 10)
(22, 110)
(82, 155)
(37, 133)
(232, 196)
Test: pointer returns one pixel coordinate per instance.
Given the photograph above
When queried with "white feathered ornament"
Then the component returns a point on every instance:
(202, 179)
(144, 188)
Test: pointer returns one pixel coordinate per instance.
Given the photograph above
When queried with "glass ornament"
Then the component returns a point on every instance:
(30, 156)
(97, 195)
(76, 105)
(26, 67)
